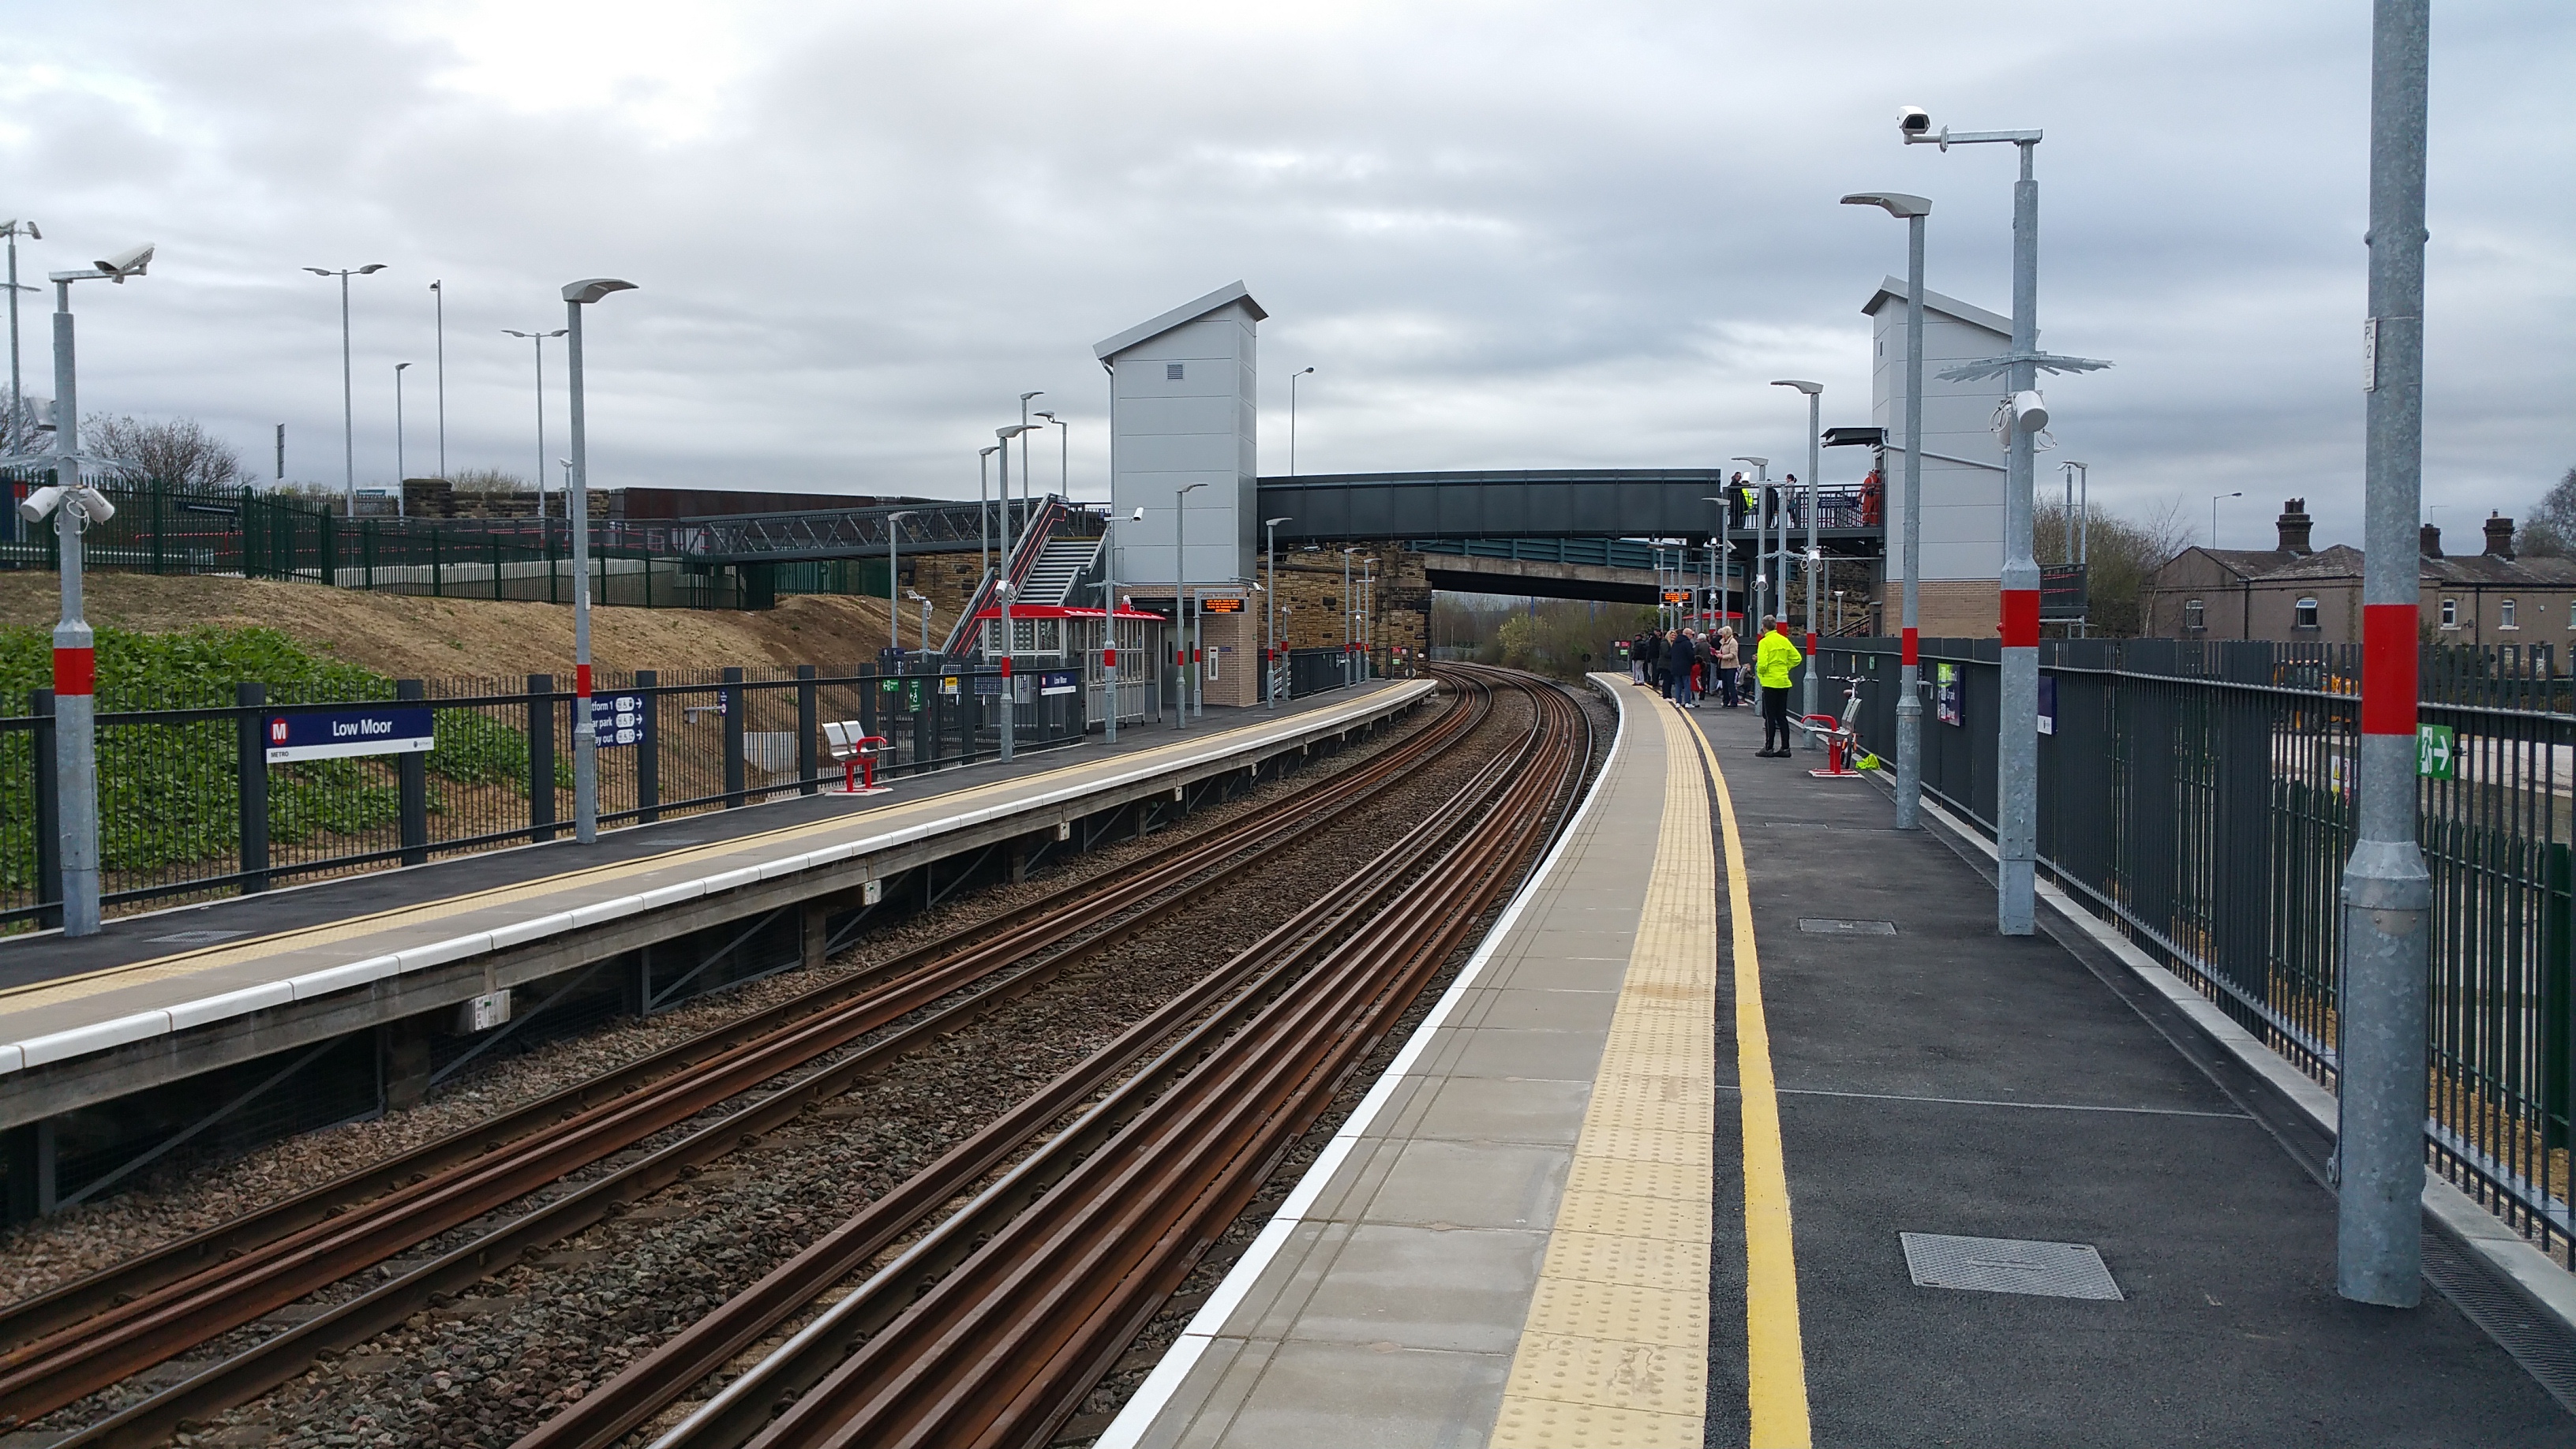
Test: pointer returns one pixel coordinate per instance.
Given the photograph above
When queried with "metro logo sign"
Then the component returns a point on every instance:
(336, 734)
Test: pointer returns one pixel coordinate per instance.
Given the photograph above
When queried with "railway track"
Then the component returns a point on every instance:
(989, 1327)
(58, 1348)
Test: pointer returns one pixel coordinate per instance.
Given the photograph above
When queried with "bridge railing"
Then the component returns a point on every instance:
(2201, 798)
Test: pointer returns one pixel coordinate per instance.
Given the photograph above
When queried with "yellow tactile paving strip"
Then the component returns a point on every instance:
(680, 862)
(1615, 1348)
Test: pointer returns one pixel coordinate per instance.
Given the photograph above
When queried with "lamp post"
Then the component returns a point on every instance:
(1815, 462)
(585, 735)
(13, 230)
(1270, 680)
(984, 510)
(1715, 565)
(402, 470)
(1756, 606)
(438, 302)
(2387, 895)
(74, 504)
(2079, 511)
(1181, 600)
(1063, 454)
(1002, 586)
(1347, 615)
(348, 386)
(1909, 673)
(1026, 476)
(1109, 606)
(923, 600)
(539, 338)
(2017, 733)
(894, 615)
(2213, 514)
(1292, 417)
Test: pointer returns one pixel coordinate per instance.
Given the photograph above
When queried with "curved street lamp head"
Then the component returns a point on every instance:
(1894, 203)
(1050, 417)
(1190, 487)
(399, 366)
(591, 289)
(988, 452)
(1756, 462)
(531, 336)
(1301, 372)
(1024, 397)
(1275, 522)
(1809, 388)
(1013, 431)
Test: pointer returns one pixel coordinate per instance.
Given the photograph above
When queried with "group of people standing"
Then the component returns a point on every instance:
(1687, 665)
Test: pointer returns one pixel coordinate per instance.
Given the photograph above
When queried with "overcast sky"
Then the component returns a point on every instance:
(1506, 235)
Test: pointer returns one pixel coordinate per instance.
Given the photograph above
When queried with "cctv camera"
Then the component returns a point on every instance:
(2030, 410)
(93, 505)
(127, 263)
(36, 505)
(1913, 120)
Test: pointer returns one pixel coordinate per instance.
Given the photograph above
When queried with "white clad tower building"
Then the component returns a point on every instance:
(1963, 458)
(1184, 409)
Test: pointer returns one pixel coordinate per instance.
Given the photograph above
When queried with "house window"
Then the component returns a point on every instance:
(2504, 615)
(2305, 616)
(2450, 613)
(1171, 372)
(2194, 617)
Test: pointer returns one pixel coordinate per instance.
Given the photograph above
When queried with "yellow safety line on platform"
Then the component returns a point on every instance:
(1775, 1354)
(187, 963)
(1614, 1351)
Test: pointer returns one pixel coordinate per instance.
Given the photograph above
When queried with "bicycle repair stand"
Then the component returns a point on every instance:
(1838, 747)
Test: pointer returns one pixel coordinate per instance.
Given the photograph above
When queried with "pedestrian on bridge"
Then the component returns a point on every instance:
(1772, 662)
(1730, 658)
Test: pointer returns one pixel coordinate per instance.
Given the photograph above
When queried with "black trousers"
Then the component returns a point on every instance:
(1775, 717)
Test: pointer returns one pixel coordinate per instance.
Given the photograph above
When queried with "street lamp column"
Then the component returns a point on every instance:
(1815, 461)
(585, 735)
(13, 230)
(1002, 586)
(1909, 674)
(348, 384)
(402, 470)
(894, 615)
(1292, 417)
(1270, 680)
(1181, 618)
(539, 340)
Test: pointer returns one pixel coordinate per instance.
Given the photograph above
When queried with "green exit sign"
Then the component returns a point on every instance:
(2435, 758)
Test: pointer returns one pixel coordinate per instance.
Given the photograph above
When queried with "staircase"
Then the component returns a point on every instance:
(1062, 564)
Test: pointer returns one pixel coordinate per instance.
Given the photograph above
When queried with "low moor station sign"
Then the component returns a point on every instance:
(334, 734)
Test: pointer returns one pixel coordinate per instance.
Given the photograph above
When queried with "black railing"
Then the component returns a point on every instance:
(189, 805)
(2201, 797)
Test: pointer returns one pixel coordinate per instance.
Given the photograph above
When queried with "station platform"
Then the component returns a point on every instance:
(1744, 1127)
(157, 998)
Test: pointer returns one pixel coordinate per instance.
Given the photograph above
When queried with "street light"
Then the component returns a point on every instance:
(1270, 662)
(1347, 615)
(1761, 539)
(1909, 673)
(1181, 599)
(1064, 455)
(2017, 744)
(13, 230)
(73, 504)
(1027, 477)
(1725, 553)
(2213, 514)
(923, 600)
(539, 338)
(984, 510)
(1002, 586)
(585, 735)
(1109, 606)
(894, 615)
(1815, 401)
(438, 304)
(402, 470)
(2079, 518)
(348, 393)
(1292, 418)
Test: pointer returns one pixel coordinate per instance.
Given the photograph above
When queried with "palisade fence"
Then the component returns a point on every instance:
(163, 528)
(2201, 797)
(190, 807)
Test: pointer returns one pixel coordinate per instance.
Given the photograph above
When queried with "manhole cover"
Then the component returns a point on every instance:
(2007, 1265)
(1848, 928)
(195, 938)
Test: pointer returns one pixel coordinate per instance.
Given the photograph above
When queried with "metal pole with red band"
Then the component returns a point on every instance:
(1909, 675)
(75, 657)
(2387, 893)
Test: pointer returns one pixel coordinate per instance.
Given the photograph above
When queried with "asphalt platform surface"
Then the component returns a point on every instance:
(1944, 1079)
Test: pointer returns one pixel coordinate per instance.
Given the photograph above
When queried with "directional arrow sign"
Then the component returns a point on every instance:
(2434, 759)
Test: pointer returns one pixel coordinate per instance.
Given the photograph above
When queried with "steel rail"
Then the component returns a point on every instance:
(121, 1339)
(990, 1328)
(651, 1383)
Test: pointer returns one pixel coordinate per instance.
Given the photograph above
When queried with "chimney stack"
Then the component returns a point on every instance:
(2499, 536)
(2431, 546)
(2294, 525)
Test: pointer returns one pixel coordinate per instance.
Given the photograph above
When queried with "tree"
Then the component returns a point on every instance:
(179, 452)
(2549, 530)
(2123, 553)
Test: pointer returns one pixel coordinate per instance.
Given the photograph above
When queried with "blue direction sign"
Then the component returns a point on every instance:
(616, 719)
(1058, 682)
(392, 730)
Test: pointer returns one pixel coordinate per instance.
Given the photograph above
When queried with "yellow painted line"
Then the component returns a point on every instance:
(1775, 1355)
(1614, 1351)
(61, 989)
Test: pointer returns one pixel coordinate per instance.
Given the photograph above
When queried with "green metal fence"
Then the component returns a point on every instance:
(2201, 798)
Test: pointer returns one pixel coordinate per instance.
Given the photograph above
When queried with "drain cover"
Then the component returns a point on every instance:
(195, 938)
(1848, 928)
(2007, 1265)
